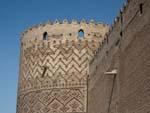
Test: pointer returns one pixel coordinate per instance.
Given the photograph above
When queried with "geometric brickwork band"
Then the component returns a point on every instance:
(53, 77)
(53, 100)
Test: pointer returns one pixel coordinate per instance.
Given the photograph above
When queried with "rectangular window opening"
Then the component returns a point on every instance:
(141, 8)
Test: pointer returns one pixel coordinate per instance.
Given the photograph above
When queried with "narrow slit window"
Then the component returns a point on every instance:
(44, 71)
(117, 43)
(81, 34)
(45, 36)
(141, 8)
(121, 34)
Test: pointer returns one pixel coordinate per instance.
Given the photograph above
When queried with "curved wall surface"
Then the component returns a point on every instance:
(54, 66)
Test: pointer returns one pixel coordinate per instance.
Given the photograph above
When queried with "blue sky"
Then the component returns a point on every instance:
(17, 15)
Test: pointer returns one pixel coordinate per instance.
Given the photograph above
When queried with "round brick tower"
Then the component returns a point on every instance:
(54, 66)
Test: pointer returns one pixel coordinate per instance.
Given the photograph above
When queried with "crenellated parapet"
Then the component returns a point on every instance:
(65, 30)
(121, 23)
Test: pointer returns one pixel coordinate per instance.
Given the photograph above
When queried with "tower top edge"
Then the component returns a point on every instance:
(65, 22)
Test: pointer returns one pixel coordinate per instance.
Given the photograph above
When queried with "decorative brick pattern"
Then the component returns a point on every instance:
(53, 74)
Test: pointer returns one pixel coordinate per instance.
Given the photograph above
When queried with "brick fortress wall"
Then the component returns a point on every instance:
(125, 48)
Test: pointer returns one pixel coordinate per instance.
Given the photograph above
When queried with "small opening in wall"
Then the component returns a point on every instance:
(117, 43)
(81, 34)
(45, 36)
(21, 43)
(95, 35)
(141, 8)
(106, 53)
(54, 41)
(44, 71)
(121, 34)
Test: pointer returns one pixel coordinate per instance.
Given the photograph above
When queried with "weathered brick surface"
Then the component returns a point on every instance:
(134, 63)
(131, 56)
